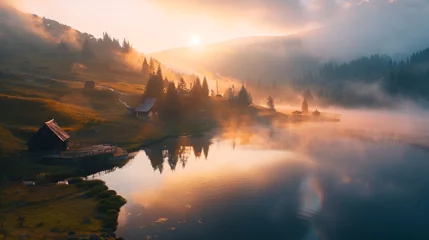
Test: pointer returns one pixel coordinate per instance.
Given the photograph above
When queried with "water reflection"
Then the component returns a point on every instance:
(177, 150)
(274, 185)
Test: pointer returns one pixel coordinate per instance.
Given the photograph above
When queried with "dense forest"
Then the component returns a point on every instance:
(42, 46)
(377, 80)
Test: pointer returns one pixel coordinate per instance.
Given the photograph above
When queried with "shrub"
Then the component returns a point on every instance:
(107, 194)
(90, 184)
(95, 191)
(114, 202)
(75, 180)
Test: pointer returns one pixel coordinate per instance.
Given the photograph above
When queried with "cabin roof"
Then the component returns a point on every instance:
(56, 129)
(146, 106)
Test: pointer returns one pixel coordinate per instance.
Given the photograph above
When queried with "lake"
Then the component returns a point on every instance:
(316, 181)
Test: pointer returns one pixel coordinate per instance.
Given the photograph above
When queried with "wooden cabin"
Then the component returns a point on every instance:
(49, 138)
(144, 110)
(297, 113)
(316, 113)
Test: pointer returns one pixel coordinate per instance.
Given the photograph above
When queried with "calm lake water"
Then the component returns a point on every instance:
(305, 182)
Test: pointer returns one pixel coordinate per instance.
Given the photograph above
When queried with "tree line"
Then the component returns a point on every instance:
(339, 83)
(176, 101)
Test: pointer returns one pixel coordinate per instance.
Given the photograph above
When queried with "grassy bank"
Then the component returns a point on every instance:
(57, 211)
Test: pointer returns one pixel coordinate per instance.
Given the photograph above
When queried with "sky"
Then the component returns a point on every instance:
(155, 25)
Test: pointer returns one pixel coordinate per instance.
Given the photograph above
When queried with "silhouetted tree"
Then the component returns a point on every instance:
(159, 73)
(166, 82)
(196, 91)
(305, 107)
(151, 66)
(62, 48)
(205, 88)
(155, 85)
(182, 88)
(229, 94)
(270, 103)
(86, 49)
(145, 71)
(126, 47)
(171, 106)
(244, 98)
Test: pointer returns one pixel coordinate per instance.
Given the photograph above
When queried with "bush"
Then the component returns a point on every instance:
(115, 203)
(107, 194)
(75, 180)
(95, 191)
(90, 184)
(110, 223)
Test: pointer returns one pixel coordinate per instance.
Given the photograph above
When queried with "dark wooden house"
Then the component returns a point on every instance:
(145, 110)
(49, 138)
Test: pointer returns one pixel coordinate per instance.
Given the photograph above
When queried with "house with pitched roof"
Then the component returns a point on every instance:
(144, 110)
(50, 137)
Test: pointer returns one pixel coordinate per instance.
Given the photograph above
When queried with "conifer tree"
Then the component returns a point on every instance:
(151, 66)
(305, 107)
(145, 71)
(270, 103)
(126, 47)
(244, 98)
(205, 88)
(182, 88)
(155, 85)
(86, 49)
(171, 106)
(196, 91)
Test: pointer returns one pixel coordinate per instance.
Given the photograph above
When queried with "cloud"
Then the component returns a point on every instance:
(268, 13)
(285, 16)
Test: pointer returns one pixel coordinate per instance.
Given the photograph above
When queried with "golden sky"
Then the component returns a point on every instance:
(149, 26)
(154, 25)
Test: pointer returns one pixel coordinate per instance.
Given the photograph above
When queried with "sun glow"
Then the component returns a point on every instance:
(194, 40)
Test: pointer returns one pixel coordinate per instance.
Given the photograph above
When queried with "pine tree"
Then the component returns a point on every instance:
(126, 47)
(205, 88)
(145, 71)
(166, 82)
(171, 106)
(159, 72)
(270, 103)
(182, 88)
(244, 97)
(62, 48)
(304, 107)
(196, 91)
(86, 49)
(155, 85)
(151, 66)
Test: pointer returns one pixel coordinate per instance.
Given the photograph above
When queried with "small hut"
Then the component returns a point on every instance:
(89, 85)
(316, 113)
(297, 113)
(144, 110)
(50, 137)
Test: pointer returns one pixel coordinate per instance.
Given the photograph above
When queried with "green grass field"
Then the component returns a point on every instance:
(52, 211)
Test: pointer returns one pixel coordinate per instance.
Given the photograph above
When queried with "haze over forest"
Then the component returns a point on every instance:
(322, 46)
(264, 119)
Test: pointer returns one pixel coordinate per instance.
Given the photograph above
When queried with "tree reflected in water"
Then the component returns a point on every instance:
(178, 150)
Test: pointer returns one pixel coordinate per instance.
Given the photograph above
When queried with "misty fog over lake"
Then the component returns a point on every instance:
(301, 182)
(214, 119)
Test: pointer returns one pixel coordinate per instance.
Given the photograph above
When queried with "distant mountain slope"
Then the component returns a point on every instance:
(41, 46)
(270, 58)
(280, 58)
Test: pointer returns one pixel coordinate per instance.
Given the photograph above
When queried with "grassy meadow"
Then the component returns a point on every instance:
(57, 211)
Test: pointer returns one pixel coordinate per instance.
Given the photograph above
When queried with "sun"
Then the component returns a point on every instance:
(194, 40)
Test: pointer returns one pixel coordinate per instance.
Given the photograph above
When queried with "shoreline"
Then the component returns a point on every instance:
(82, 209)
